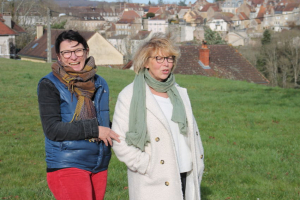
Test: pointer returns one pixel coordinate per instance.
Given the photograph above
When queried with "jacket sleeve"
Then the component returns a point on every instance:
(54, 128)
(134, 158)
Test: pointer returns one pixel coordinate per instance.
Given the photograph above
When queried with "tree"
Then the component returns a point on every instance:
(150, 15)
(271, 56)
(149, 3)
(59, 25)
(212, 37)
(182, 3)
(266, 37)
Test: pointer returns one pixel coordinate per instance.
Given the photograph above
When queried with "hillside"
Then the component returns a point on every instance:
(250, 135)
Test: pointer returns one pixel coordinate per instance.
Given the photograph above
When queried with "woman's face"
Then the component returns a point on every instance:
(72, 54)
(160, 65)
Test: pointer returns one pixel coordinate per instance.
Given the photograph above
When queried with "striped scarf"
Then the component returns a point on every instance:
(82, 84)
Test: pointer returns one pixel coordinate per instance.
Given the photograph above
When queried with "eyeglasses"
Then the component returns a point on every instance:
(68, 54)
(160, 59)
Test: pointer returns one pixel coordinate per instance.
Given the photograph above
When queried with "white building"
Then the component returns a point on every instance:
(158, 24)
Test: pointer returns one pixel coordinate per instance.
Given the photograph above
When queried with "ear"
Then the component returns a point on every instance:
(58, 57)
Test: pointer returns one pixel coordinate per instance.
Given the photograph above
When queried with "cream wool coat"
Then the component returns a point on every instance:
(154, 174)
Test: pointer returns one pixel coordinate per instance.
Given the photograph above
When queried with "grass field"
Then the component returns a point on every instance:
(250, 134)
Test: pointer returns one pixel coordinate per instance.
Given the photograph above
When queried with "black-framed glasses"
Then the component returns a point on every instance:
(67, 54)
(160, 59)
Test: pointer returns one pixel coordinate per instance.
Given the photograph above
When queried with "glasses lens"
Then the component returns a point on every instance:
(67, 54)
(79, 52)
(160, 59)
(170, 59)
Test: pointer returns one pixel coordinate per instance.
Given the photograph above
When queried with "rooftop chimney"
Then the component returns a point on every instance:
(204, 54)
(39, 30)
(7, 17)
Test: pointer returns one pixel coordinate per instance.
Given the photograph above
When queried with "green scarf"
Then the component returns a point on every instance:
(137, 133)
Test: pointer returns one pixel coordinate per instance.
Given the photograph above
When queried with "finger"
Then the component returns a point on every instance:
(114, 136)
(110, 141)
(105, 142)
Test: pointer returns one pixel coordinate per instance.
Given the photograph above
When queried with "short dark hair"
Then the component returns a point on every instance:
(69, 35)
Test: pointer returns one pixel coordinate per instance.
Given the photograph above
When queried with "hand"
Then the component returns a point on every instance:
(106, 135)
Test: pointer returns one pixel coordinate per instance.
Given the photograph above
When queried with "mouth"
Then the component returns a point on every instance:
(165, 71)
(74, 63)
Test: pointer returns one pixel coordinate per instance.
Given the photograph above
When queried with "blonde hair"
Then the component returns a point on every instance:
(158, 43)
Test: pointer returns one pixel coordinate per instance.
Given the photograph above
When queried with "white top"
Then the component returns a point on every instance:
(183, 152)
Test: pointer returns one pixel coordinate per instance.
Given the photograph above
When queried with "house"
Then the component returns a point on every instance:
(245, 8)
(220, 22)
(231, 5)
(103, 52)
(255, 24)
(286, 14)
(136, 7)
(209, 10)
(130, 23)
(139, 39)
(155, 10)
(222, 61)
(108, 13)
(120, 42)
(181, 10)
(193, 17)
(238, 38)
(240, 20)
(8, 31)
(88, 21)
(158, 24)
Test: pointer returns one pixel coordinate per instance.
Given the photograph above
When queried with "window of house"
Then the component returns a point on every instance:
(34, 45)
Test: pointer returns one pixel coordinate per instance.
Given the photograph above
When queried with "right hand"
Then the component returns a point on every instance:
(107, 135)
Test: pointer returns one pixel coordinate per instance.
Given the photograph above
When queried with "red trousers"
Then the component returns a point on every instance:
(77, 184)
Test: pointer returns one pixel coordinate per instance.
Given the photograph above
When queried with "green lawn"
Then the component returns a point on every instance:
(250, 135)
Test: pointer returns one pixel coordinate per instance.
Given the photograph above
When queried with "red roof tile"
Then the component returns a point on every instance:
(37, 48)
(5, 30)
(17, 28)
(153, 9)
(291, 6)
(261, 13)
(243, 16)
(215, 7)
(130, 14)
(225, 62)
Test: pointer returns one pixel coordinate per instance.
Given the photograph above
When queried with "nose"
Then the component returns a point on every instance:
(73, 55)
(165, 62)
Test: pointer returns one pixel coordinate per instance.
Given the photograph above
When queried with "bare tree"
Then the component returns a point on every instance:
(271, 56)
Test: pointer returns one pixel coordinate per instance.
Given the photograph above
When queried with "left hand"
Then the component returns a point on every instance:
(107, 135)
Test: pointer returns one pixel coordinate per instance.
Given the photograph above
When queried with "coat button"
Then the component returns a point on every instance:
(201, 156)
(157, 139)
(167, 183)
(162, 162)
(196, 132)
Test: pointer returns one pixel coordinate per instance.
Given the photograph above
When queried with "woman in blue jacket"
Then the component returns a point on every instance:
(73, 103)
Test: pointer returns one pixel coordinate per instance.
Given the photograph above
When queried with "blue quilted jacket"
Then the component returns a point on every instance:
(82, 154)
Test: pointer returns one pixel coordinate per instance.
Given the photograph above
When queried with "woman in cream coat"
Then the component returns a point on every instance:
(163, 153)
